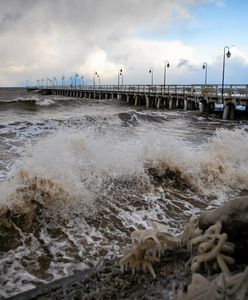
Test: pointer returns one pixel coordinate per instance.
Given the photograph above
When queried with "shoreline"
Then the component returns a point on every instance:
(109, 282)
(173, 273)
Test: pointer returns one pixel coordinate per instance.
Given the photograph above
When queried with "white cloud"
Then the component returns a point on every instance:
(45, 38)
(239, 55)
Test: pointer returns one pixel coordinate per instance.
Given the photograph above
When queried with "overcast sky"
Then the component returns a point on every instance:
(40, 39)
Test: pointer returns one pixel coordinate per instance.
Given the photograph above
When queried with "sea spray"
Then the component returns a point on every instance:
(112, 185)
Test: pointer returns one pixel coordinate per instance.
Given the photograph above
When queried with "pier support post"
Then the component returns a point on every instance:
(185, 104)
(170, 103)
(203, 106)
(232, 111)
(176, 103)
(136, 100)
(147, 101)
(158, 102)
(226, 111)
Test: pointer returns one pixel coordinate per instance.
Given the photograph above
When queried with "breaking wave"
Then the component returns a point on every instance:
(76, 195)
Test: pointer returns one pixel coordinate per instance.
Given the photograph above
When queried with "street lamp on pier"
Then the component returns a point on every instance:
(151, 72)
(76, 75)
(62, 81)
(71, 81)
(55, 80)
(120, 73)
(166, 65)
(99, 82)
(228, 54)
(47, 82)
(94, 81)
(26, 83)
(205, 67)
(41, 85)
(82, 80)
(38, 83)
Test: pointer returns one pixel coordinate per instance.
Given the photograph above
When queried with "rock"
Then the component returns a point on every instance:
(234, 218)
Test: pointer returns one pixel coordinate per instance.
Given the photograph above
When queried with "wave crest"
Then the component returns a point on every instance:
(31, 199)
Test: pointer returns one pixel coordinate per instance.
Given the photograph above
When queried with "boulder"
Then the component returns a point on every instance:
(234, 218)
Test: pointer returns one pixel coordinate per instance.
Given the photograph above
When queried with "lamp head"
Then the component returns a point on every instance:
(168, 65)
(150, 71)
(228, 54)
(204, 67)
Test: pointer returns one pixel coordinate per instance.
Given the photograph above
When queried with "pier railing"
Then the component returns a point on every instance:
(232, 91)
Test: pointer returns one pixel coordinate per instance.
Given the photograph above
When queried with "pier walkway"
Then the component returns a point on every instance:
(188, 97)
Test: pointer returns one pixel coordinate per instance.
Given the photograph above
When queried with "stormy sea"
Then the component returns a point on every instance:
(77, 176)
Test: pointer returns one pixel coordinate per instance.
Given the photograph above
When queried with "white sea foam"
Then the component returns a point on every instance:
(111, 191)
(45, 102)
(81, 161)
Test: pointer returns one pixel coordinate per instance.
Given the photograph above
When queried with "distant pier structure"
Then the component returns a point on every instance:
(205, 98)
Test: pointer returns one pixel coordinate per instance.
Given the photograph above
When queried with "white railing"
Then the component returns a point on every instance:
(213, 90)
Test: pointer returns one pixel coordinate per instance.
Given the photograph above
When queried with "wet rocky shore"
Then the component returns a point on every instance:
(173, 276)
(107, 281)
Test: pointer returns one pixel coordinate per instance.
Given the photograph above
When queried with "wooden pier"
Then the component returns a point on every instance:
(205, 98)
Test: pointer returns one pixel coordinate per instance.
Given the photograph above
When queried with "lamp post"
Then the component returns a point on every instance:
(205, 67)
(82, 80)
(98, 79)
(76, 75)
(47, 82)
(71, 81)
(151, 71)
(228, 54)
(55, 82)
(41, 85)
(119, 74)
(62, 81)
(94, 81)
(38, 83)
(166, 65)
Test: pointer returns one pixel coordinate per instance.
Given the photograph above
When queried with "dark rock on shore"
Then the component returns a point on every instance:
(234, 218)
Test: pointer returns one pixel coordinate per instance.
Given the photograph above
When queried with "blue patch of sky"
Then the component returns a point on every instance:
(210, 24)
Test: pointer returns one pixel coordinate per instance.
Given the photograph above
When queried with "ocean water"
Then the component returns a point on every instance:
(77, 176)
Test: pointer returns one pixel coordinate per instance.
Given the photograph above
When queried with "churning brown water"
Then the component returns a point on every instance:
(78, 175)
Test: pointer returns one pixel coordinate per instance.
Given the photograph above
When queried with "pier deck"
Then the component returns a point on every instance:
(188, 97)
